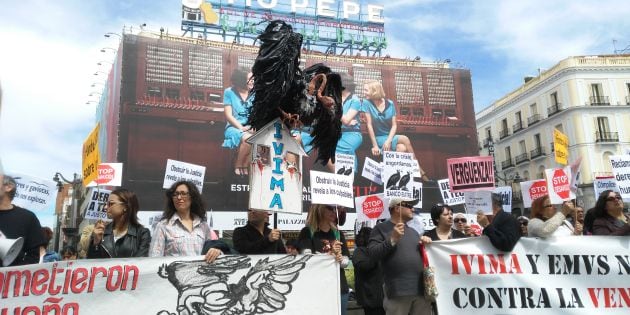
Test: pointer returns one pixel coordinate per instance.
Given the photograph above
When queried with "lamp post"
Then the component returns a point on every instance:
(71, 230)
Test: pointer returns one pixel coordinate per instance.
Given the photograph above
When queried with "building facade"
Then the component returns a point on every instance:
(586, 97)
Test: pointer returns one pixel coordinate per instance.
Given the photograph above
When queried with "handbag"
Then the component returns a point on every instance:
(428, 275)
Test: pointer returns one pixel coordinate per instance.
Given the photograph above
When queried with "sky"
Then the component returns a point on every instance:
(51, 50)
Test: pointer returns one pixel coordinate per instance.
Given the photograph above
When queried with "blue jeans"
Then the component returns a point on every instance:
(344, 303)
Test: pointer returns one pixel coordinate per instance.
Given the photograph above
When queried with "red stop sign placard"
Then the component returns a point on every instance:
(538, 189)
(106, 174)
(372, 207)
(561, 183)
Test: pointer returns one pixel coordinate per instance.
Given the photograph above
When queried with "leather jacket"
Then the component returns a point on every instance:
(133, 244)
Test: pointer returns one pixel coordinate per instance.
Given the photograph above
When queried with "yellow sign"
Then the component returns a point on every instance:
(561, 147)
(91, 156)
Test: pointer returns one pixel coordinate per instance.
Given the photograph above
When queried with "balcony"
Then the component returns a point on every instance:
(517, 126)
(507, 164)
(533, 119)
(599, 101)
(504, 133)
(606, 137)
(538, 152)
(521, 158)
(554, 109)
(628, 100)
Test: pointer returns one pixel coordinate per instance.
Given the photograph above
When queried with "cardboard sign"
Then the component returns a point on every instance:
(34, 193)
(621, 169)
(109, 174)
(91, 157)
(372, 170)
(575, 174)
(533, 190)
(602, 184)
(450, 198)
(561, 147)
(344, 164)
(95, 204)
(332, 189)
(478, 200)
(506, 196)
(371, 207)
(559, 185)
(397, 175)
(471, 173)
(177, 170)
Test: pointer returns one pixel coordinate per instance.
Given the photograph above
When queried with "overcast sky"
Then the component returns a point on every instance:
(50, 51)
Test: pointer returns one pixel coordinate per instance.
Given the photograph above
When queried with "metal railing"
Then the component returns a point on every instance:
(606, 136)
(517, 126)
(521, 158)
(554, 109)
(599, 101)
(533, 119)
(537, 152)
(504, 133)
(507, 164)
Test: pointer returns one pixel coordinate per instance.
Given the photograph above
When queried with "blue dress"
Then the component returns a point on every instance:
(382, 122)
(240, 111)
(351, 137)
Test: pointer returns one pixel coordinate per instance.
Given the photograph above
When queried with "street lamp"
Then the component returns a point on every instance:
(109, 34)
(105, 49)
(71, 231)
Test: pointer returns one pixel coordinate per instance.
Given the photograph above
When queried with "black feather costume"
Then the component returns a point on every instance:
(300, 98)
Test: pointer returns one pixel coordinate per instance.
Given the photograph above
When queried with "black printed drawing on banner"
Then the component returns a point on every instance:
(392, 181)
(416, 194)
(404, 180)
(344, 171)
(204, 288)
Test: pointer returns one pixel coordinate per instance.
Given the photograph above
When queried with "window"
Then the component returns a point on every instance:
(488, 133)
(596, 90)
(154, 91)
(508, 153)
(559, 127)
(533, 109)
(523, 146)
(517, 116)
(537, 140)
(554, 98)
(197, 95)
(172, 93)
(602, 125)
(504, 124)
(437, 113)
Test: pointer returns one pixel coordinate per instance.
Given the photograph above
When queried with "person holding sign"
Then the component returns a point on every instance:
(183, 230)
(504, 231)
(237, 102)
(442, 217)
(609, 216)
(321, 235)
(124, 236)
(546, 221)
(256, 237)
(380, 115)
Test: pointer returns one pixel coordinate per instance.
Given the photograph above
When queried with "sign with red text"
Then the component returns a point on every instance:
(371, 207)
(278, 284)
(533, 190)
(567, 275)
(471, 173)
(621, 169)
(559, 185)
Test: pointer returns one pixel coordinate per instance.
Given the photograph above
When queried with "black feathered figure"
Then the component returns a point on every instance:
(300, 98)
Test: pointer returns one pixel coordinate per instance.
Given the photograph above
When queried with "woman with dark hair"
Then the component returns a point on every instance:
(237, 102)
(69, 252)
(124, 236)
(609, 216)
(368, 276)
(183, 229)
(547, 221)
(442, 217)
(49, 255)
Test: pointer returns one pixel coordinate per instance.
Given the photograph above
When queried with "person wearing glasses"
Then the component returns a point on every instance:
(396, 246)
(609, 216)
(503, 231)
(523, 221)
(547, 221)
(442, 217)
(237, 101)
(183, 230)
(124, 236)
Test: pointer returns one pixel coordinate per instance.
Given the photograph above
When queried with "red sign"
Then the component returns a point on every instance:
(561, 184)
(106, 174)
(372, 207)
(538, 189)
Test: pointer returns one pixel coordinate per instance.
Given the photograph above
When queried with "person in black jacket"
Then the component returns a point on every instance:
(124, 236)
(368, 276)
(504, 231)
(256, 237)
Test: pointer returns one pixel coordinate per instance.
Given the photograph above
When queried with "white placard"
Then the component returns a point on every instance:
(559, 185)
(95, 204)
(532, 190)
(506, 197)
(34, 193)
(372, 170)
(417, 194)
(398, 175)
(449, 197)
(108, 174)
(371, 207)
(602, 184)
(344, 164)
(480, 200)
(621, 169)
(177, 170)
(416, 168)
(332, 189)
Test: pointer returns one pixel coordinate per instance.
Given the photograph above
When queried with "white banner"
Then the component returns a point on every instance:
(621, 169)
(480, 200)
(532, 190)
(559, 185)
(372, 170)
(602, 184)
(449, 197)
(177, 170)
(344, 164)
(506, 196)
(278, 284)
(95, 204)
(332, 189)
(569, 275)
(397, 174)
(34, 193)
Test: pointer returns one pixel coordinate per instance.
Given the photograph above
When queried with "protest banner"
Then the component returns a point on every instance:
(621, 169)
(372, 170)
(34, 193)
(559, 185)
(506, 197)
(471, 173)
(278, 284)
(177, 170)
(577, 275)
(397, 174)
(332, 189)
(344, 164)
(561, 147)
(600, 184)
(95, 204)
(480, 200)
(450, 198)
(91, 157)
(371, 207)
(533, 190)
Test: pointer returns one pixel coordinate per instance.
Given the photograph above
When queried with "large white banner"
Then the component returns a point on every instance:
(277, 284)
(34, 193)
(621, 169)
(570, 275)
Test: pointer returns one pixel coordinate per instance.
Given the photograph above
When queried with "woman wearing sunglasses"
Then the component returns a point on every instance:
(442, 217)
(609, 216)
(547, 221)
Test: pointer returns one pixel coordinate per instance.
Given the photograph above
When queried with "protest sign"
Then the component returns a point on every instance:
(601, 184)
(480, 200)
(91, 157)
(471, 173)
(416, 169)
(533, 190)
(450, 198)
(177, 170)
(621, 169)
(506, 196)
(372, 170)
(559, 185)
(109, 174)
(278, 284)
(575, 174)
(34, 193)
(397, 174)
(344, 164)
(371, 207)
(561, 147)
(577, 275)
(332, 189)
(95, 204)
(417, 194)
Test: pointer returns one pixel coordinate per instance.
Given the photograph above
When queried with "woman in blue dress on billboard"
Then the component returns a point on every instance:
(237, 101)
(380, 115)
(351, 137)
